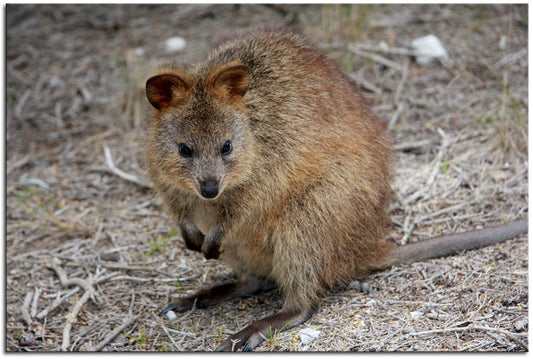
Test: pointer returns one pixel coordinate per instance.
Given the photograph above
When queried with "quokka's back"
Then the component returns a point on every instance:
(266, 155)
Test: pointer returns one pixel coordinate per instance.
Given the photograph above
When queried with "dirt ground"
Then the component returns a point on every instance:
(91, 258)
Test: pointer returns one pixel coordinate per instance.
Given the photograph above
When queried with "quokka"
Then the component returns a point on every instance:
(268, 158)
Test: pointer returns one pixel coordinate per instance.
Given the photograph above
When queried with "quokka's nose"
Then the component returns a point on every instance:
(209, 188)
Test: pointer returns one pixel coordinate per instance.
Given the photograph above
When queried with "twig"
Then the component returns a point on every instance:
(446, 210)
(24, 311)
(445, 145)
(123, 266)
(165, 329)
(366, 84)
(375, 58)
(89, 294)
(395, 116)
(409, 146)
(401, 84)
(72, 318)
(512, 336)
(21, 103)
(118, 172)
(510, 58)
(59, 116)
(137, 279)
(35, 301)
(66, 282)
(386, 49)
(115, 332)
(56, 303)
(446, 142)
(53, 152)
(20, 163)
(398, 94)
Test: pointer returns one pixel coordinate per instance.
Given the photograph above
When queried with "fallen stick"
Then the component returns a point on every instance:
(24, 311)
(35, 301)
(71, 319)
(376, 58)
(118, 172)
(165, 329)
(512, 336)
(72, 316)
(89, 294)
(67, 282)
(114, 333)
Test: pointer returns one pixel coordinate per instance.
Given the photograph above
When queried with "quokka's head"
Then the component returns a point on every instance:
(201, 140)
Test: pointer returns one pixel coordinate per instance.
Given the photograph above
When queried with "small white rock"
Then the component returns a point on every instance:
(171, 315)
(521, 325)
(383, 46)
(307, 335)
(175, 44)
(139, 51)
(55, 82)
(429, 50)
(355, 285)
(503, 42)
(371, 303)
(407, 330)
(416, 314)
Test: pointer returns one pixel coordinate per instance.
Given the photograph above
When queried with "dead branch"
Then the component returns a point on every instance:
(56, 303)
(512, 336)
(129, 321)
(118, 172)
(375, 58)
(21, 103)
(67, 282)
(385, 49)
(72, 316)
(138, 279)
(24, 310)
(89, 294)
(412, 145)
(165, 329)
(36, 297)
(71, 319)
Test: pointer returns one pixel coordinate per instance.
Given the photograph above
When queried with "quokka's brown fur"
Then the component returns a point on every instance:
(301, 200)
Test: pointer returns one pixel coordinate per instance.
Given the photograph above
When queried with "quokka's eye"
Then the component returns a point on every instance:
(227, 148)
(184, 150)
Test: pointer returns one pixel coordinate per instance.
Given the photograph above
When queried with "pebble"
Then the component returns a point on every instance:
(355, 285)
(416, 314)
(171, 315)
(371, 303)
(521, 325)
(175, 44)
(308, 335)
(408, 330)
(55, 82)
(429, 50)
(139, 51)
(365, 287)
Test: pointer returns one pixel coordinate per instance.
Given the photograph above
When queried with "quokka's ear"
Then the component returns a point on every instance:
(166, 89)
(230, 82)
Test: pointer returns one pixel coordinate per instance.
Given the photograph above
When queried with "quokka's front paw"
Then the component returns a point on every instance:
(180, 305)
(192, 237)
(211, 246)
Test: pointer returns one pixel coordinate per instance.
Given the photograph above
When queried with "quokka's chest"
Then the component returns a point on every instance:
(205, 217)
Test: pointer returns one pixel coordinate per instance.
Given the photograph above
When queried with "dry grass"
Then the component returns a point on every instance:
(75, 86)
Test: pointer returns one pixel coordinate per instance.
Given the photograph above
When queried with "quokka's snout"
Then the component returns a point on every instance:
(209, 187)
